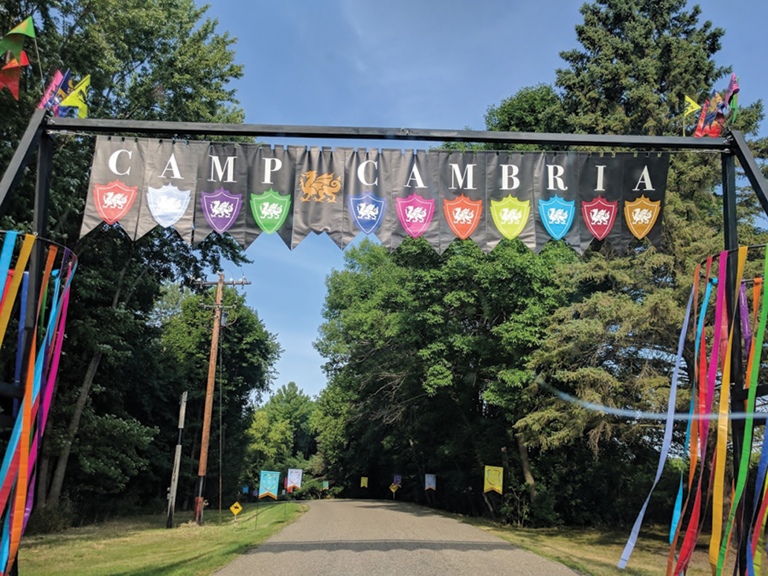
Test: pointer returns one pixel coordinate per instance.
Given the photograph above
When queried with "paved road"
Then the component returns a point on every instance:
(377, 537)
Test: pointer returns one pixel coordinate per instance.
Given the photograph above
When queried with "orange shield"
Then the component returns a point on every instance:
(641, 215)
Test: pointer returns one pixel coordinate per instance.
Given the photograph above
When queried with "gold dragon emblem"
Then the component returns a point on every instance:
(319, 188)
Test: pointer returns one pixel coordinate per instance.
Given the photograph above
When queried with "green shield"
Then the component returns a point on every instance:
(270, 210)
(510, 215)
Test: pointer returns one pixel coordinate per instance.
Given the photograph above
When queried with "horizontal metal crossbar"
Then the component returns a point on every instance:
(360, 133)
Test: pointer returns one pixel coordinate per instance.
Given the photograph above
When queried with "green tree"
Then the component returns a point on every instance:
(148, 60)
(615, 342)
(427, 363)
(246, 358)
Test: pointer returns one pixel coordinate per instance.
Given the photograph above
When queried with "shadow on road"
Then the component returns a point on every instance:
(379, 546)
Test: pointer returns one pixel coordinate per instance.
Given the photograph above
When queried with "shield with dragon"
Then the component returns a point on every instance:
(167, 204)
(557, 215)
(221, 208)
(641, 215)
(599, 215)
(415, 214)
(510, 215)
(463, 215)
(270, 209)
(114, 200)
(367, 211)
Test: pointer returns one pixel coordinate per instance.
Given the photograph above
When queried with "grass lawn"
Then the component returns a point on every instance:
(143, 545)
(596, 552)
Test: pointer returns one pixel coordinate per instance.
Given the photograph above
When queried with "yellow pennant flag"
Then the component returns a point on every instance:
(77, 98)
(690, 106)
(494, 479)
(364, 482)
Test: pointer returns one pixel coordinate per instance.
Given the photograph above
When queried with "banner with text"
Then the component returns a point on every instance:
(244, 190)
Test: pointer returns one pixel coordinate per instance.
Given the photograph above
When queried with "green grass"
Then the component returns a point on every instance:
(143, 545)
(596, 552)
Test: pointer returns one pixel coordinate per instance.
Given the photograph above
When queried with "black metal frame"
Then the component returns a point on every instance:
(734, 146)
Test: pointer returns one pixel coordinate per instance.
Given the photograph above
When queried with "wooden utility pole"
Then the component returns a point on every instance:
(202, 469)
(176, 463)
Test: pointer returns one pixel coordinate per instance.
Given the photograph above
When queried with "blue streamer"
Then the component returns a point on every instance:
(678, 510)
(5, 257)
(630, 546)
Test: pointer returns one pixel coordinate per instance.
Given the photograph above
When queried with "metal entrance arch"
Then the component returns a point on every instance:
(43, 127)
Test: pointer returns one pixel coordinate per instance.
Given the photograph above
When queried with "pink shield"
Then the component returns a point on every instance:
(599, 215)
(415, 214)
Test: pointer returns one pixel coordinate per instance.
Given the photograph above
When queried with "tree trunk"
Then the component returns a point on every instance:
(54, 495)
(529, 480)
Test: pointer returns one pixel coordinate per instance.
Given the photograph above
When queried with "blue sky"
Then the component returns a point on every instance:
(416, 64)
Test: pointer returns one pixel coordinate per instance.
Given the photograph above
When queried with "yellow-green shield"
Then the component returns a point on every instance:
(510, 215)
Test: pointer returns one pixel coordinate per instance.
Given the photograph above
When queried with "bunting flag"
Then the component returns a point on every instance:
(493, 479)
(13, 41)
(690, 106)
(243, 190)
(364, 482)
(326, 485)
(293, 478)
(732, 89)
(47, 100)
(245, 489)
(63, 90)
(430, 482)
(78, 98)
(268, 484)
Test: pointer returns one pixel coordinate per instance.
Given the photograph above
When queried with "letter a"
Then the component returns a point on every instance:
(415, 176)
(645, 178)
(173, 166)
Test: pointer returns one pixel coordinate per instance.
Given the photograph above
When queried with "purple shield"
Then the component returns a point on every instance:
(415, 214)
(221, 208)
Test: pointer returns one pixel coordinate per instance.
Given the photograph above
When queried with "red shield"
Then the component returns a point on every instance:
(599, 216)
(463, 215)
(114, 200)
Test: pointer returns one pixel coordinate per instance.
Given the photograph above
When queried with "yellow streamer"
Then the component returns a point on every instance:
(10, 298)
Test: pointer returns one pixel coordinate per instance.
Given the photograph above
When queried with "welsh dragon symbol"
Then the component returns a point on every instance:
(112, 200)
(415, 214)
(463, 215)
(367, 212)
(270, 210)
(641, 216)
(557, 216)
(221, 209)
(319, 188)
(599, 216)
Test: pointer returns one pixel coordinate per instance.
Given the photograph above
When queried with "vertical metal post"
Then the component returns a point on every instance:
(39, 226)
(736, 378)
(176, 462)
(202, 469)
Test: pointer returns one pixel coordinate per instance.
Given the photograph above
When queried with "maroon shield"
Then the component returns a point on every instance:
(599, 216)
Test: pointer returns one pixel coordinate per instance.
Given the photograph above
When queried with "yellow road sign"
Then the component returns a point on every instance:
(394, 488)
(236, 508)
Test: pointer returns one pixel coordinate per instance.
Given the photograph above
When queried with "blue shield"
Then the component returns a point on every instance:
(167, 204)
(557, 216)
(367, 211)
